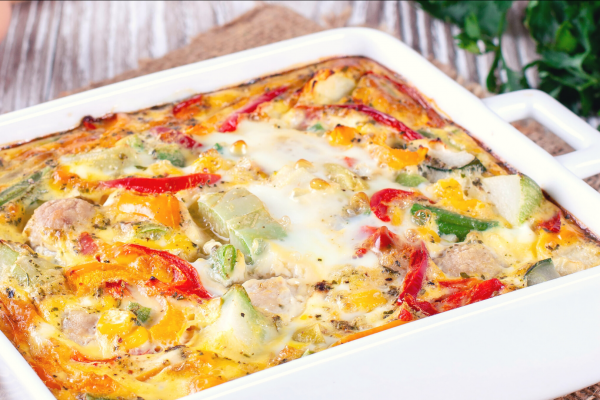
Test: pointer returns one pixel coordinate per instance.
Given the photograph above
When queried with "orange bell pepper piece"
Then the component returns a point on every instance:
(89, 276)
(342, 136)
(398, 158)
(155, 271)
(162, 208)
(167, 329)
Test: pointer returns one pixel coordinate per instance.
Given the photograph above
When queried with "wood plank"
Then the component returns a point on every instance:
(18, 37)
(409, 21)
(25, 51)
(440, 42)
(6, 70)
(359, 13)
(71, 68)
(424, 33)
(158, 40)
(451, 47)
(173, 14)
(40, 55)
(52, 44)
(25, 55)
(390, 18)
(131, 33)
(198, 16)
(366, 13)
(141, 29)
(374, 14)
(334, 14)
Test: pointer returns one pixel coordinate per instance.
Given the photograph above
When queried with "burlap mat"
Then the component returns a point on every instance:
(268, 24)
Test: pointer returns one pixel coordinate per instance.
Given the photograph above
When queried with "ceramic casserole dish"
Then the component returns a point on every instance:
(540, 342)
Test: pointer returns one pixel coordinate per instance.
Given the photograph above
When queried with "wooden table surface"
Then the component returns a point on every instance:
(55, 46)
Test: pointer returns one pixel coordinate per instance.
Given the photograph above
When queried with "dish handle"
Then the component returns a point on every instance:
(585, 160)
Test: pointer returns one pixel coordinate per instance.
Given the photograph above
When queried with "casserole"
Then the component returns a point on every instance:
(18, 123)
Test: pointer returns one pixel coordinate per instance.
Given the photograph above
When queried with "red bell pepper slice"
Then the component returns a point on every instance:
(405, 315)
(186, 279)
(173, 136)
(117, 289)
(485, 290)
(384, 119)
(458, 283)
(231, 122)
(187, 142)
(87, 244)
(380, 201)
(350, 162)
(162, 185)
(413, 281)
(478, 292)
(379, 240)
(392, 252)
(90, 122)
(382, 239)
(420, 305)
(180, 109)
(453, 301)
(552, 225)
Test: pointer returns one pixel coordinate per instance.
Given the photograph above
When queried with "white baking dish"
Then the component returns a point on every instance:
(538, 342)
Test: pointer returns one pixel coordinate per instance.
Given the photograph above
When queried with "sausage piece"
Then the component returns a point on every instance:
(80, 325)
(473, 259)
(275, 296)
(62, 215)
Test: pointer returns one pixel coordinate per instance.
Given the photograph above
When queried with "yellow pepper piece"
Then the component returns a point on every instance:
(116, 323)
(342, 136)
(396, 216)
(168, 328)
(367, 300)
(138, 337)
(221, 99)
(398, 158)
(450, 193)
(162, 208)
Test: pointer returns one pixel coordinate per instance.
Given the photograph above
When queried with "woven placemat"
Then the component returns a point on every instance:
(266, 24)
